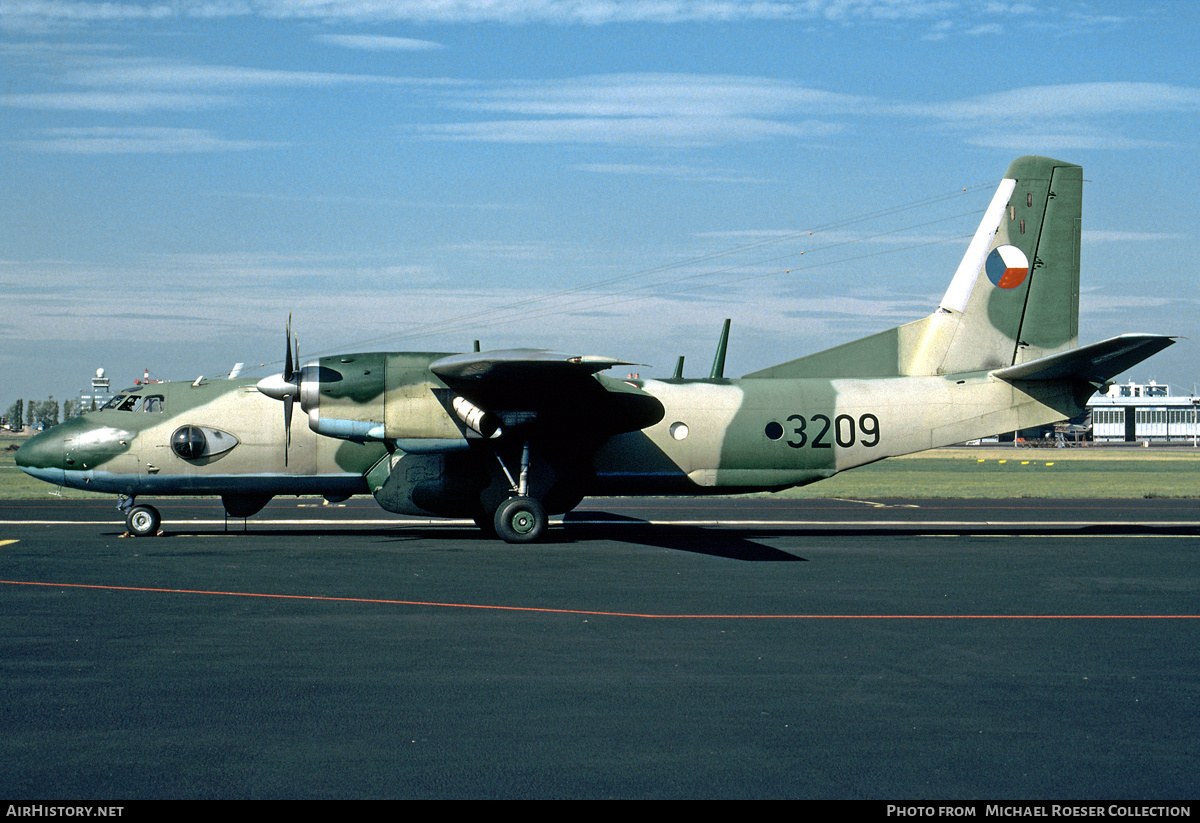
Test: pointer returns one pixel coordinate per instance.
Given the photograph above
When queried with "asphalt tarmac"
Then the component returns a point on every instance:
(956, 649)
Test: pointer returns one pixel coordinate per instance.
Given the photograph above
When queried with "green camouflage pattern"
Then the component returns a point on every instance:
(457, 435)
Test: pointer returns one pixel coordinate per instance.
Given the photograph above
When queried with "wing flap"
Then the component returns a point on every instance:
(551, 392)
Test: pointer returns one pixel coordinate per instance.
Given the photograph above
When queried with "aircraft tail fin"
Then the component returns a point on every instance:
(1014, 297)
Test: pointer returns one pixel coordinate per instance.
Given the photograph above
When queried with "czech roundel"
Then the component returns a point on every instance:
(1007, 267)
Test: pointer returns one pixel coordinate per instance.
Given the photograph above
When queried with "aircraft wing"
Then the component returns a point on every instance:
(1096, 362)
(550, 390)
(520, 364)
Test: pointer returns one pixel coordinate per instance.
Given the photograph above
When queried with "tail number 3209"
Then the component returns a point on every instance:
(819, 432)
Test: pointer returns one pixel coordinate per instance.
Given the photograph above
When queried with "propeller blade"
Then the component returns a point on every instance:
(286, 386)
(288, 364)
(294, 373)
(287, 427)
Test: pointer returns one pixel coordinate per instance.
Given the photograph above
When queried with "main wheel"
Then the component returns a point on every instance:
(143, 521)
(520, 520)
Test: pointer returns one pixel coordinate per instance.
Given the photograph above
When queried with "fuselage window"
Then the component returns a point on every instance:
(131, 402)
(153, 403)
(112, 404)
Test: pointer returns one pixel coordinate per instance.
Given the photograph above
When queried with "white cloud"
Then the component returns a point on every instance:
(677, 172)
(113, 101)
(630, 131)
(645, 109)
(137, 85)
(30, 13)
(1092, 301)
(144, 140)
(985, 29)
(166, 74)
(1067, 117)
(369, 42)
(655, 95)
(424, 205)
(699, 110)
(1032, 142)
(1067, 100)
(1129, 236)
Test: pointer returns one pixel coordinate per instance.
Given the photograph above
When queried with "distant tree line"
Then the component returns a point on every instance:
(43, 413)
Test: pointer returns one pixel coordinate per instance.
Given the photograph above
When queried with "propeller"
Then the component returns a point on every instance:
(286, 386)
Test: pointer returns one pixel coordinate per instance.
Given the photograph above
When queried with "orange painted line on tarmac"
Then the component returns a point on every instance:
(619, 614)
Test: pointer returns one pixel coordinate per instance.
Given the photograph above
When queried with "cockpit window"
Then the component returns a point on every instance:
(134, 402)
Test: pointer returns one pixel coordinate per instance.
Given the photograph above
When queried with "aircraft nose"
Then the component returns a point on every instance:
(42, 457)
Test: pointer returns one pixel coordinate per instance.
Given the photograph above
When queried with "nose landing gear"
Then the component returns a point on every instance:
(140, 520)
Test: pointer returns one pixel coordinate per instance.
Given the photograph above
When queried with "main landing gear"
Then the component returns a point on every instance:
(140, 520)
(521, 518)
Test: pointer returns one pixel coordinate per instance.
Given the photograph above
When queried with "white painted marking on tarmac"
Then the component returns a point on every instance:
(914, 524)
(183, 523)
(1022, 525)
(878, 505)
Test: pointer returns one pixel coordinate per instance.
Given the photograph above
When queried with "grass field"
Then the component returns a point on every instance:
(960, 472)
(17, 485)
(1009, 472)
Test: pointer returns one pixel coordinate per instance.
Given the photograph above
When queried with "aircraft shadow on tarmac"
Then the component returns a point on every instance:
(728, 542)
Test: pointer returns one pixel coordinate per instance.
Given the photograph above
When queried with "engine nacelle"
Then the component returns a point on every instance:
(481, 422)
(378, 396)
(344, 396)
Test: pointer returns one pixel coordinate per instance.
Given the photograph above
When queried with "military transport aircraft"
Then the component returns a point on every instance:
(508, 437)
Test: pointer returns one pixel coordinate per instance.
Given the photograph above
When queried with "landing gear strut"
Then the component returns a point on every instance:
(520, 519)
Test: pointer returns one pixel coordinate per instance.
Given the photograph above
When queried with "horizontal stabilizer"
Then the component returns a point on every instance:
(1094, 363)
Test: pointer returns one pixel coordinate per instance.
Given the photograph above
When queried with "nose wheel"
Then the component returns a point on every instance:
(142, 521)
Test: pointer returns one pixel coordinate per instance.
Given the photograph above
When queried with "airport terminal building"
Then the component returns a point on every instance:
(1135, 412)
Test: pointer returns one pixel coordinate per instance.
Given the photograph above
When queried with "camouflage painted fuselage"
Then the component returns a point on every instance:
(464, 435)
(129, 452)
(713, 436)
(756, 434)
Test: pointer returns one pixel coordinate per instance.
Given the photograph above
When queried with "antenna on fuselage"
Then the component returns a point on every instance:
(718, 369)
(678, 375)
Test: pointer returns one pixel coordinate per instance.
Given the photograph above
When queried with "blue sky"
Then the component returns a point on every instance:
(607, 177)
